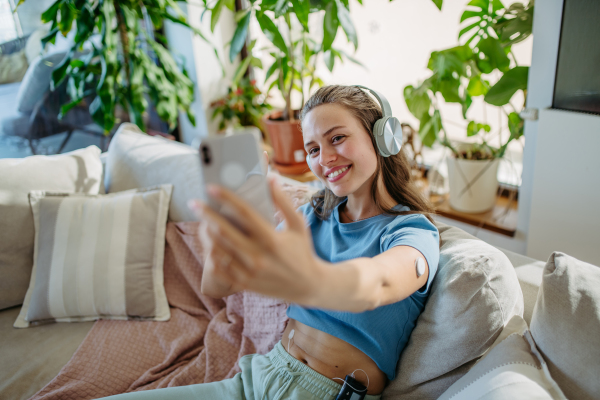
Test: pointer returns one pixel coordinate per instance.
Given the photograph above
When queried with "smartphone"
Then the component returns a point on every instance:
(234, 162)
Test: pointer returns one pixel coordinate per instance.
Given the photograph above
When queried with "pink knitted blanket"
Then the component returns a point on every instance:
(202, 341)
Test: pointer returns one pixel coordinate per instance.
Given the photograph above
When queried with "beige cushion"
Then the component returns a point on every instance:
(138, 160)
(33, 357)
(529, 271)
(77, 171)
(13, 67)
(512, 369)
(474, 294)
(98, 256)
(566, 325)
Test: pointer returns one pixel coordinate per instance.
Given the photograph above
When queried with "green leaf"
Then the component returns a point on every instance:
(438, 4)
(67, 15)
(302, 9)
(477, 86)
(449, 89)
(230, 4)
(446, 62)
(515, 125)
(330, 26)
(329, 59)
(281, 8)
(466, 103)
(470, 14)
(512, 80)
(241, 71)
(472, 129)
(352, 59)
(343, 15)
(271, 70)
(256, 62)
(60, 72)
(417, 101)
(215, 14)
(429, 128)
(239, 36)
(51, 12)
(271, 32)
(50, 37)
(494, 53)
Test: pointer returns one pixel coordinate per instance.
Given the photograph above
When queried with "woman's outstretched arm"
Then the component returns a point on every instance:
(283, 263)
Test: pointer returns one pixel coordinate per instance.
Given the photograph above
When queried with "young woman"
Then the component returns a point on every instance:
(347, 263)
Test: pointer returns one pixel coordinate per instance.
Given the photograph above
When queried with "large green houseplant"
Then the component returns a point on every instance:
(127, 65)
(296, 51)
(462, 73)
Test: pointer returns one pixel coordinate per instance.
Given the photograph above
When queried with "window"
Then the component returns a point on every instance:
(8, 22)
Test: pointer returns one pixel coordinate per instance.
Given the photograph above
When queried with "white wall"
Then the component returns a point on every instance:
(565, 214)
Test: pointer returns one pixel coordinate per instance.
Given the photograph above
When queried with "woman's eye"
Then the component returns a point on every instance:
(337, 138)
(313, 151)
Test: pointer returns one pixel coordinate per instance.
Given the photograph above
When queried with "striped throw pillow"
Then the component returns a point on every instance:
(98, 256)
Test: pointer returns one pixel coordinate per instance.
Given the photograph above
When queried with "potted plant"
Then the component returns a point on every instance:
(126, 66)
(462, 73)
(295, 53)
(243, 106)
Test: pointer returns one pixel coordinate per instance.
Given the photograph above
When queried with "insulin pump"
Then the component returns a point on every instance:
(352, 390)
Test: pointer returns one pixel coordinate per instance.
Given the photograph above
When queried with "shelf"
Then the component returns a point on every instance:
(501, 219)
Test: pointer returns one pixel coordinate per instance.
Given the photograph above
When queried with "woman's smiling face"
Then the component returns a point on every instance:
(340, 151)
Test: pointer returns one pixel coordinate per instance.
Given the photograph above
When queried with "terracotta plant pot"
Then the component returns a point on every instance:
(287, 142)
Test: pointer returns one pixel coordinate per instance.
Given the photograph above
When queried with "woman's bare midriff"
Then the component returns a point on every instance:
(331, 356)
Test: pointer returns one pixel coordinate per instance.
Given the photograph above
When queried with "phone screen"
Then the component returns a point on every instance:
(234, 162)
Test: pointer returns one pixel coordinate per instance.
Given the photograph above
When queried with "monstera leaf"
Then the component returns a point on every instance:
(480, 19)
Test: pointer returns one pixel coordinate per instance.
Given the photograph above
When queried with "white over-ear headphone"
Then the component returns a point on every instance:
(387, 130)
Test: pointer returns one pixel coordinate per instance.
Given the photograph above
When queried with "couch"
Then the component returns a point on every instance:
(479, 293)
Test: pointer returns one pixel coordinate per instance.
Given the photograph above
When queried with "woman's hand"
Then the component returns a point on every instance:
(275, 263)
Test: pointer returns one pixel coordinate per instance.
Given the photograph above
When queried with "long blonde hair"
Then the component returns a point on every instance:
(395, 170)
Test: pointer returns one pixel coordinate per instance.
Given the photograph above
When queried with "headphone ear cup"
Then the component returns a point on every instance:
(379, 138)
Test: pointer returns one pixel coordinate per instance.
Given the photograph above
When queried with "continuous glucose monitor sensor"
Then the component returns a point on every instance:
(420, 266)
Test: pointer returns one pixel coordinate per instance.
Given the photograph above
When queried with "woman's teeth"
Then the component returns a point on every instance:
(336, 173)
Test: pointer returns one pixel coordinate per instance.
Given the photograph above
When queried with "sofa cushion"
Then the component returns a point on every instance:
(98, 256)
(12, 67)
(137, 160)
(33, 357)
(474, 294)
(77, 171)
(566, 325)
(512, 369)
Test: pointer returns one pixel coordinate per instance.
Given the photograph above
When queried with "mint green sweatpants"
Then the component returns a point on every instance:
(274, 376)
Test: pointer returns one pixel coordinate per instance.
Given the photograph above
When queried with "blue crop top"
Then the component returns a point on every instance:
(381, 333)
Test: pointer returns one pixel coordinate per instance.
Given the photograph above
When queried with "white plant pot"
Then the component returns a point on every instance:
(473, 184)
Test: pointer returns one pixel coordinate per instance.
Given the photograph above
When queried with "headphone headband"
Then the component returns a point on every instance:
(385, 105)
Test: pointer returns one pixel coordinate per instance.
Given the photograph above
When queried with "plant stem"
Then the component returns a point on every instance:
(124, 39)
(288, 95)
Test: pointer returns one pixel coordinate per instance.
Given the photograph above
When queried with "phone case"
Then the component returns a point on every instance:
(234, 162)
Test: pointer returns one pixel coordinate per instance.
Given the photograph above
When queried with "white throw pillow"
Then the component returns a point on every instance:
(77, 171)
(139, 160)
(98, 256)
(512, 369)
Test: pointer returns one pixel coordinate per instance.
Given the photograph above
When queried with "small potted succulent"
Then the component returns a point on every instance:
(462, 73)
